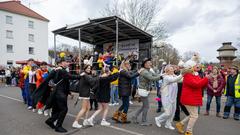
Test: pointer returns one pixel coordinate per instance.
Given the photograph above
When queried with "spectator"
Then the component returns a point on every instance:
(114, 89)
(8, 76)
(214, 88)
(13, 77)
(233, 93)
(2, 74)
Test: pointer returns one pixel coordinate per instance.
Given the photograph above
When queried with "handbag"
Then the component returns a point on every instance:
(51, 98)
(143, 92)
(53, 85)
(74, 86)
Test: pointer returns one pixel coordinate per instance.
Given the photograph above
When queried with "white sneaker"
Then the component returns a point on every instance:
(34, 110)
(29, 108)
(130, 102)
(169, 127)
(86, 123)
(40, 111)
(157, 122)
(111, 104)
(116, 103)
(105, 123)
(90, 121)
(76, 125)
(46, 112)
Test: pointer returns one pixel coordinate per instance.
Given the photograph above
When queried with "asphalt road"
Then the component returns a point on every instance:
(15, 119)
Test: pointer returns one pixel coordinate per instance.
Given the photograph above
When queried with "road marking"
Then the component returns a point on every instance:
(72, 115)
(11, 98)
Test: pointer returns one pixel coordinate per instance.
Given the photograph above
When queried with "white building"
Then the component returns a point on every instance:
(23, 34)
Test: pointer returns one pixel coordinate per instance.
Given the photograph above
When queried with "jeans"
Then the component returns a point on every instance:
(114, 94)
(218, 102)
(134, 83)
(125, 104)
(24, 96)
(14, 82)
(27, 92)
(232, 101)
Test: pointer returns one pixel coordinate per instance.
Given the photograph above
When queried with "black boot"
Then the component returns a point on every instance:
(60, 130)
(176, 119)
(50, 124)
(158, 110)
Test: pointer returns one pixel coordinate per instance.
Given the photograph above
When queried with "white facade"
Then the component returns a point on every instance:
(26, 35)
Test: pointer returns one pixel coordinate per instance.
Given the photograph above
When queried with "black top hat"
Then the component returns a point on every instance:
(145, 60)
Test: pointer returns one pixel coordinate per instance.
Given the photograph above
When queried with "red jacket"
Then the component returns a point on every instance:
(192, 89)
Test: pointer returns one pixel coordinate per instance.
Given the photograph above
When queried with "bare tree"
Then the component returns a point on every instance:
(68, 49)
(171, 54)
(165, 52)
(188, 55)
(140, 13)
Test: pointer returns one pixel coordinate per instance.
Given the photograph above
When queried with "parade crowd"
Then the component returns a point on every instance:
(103, 82)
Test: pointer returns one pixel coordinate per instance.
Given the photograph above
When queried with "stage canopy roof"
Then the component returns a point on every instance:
(103, 30)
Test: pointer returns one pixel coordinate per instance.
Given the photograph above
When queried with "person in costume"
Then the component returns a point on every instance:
(59, 96)
(26, 70)
(41, 75)
(179, 107)
(169, 97)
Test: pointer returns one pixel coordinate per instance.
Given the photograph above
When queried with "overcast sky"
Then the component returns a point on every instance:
(193, 25)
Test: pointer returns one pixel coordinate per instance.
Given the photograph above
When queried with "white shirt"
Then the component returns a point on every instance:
(32, 77)
(8, 73)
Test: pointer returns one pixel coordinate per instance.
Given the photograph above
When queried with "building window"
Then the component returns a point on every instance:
(30, 24)
(10, 62)
(31, 50)
(9, 34)
(31, 37)
(10, 48)
(9, 20)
